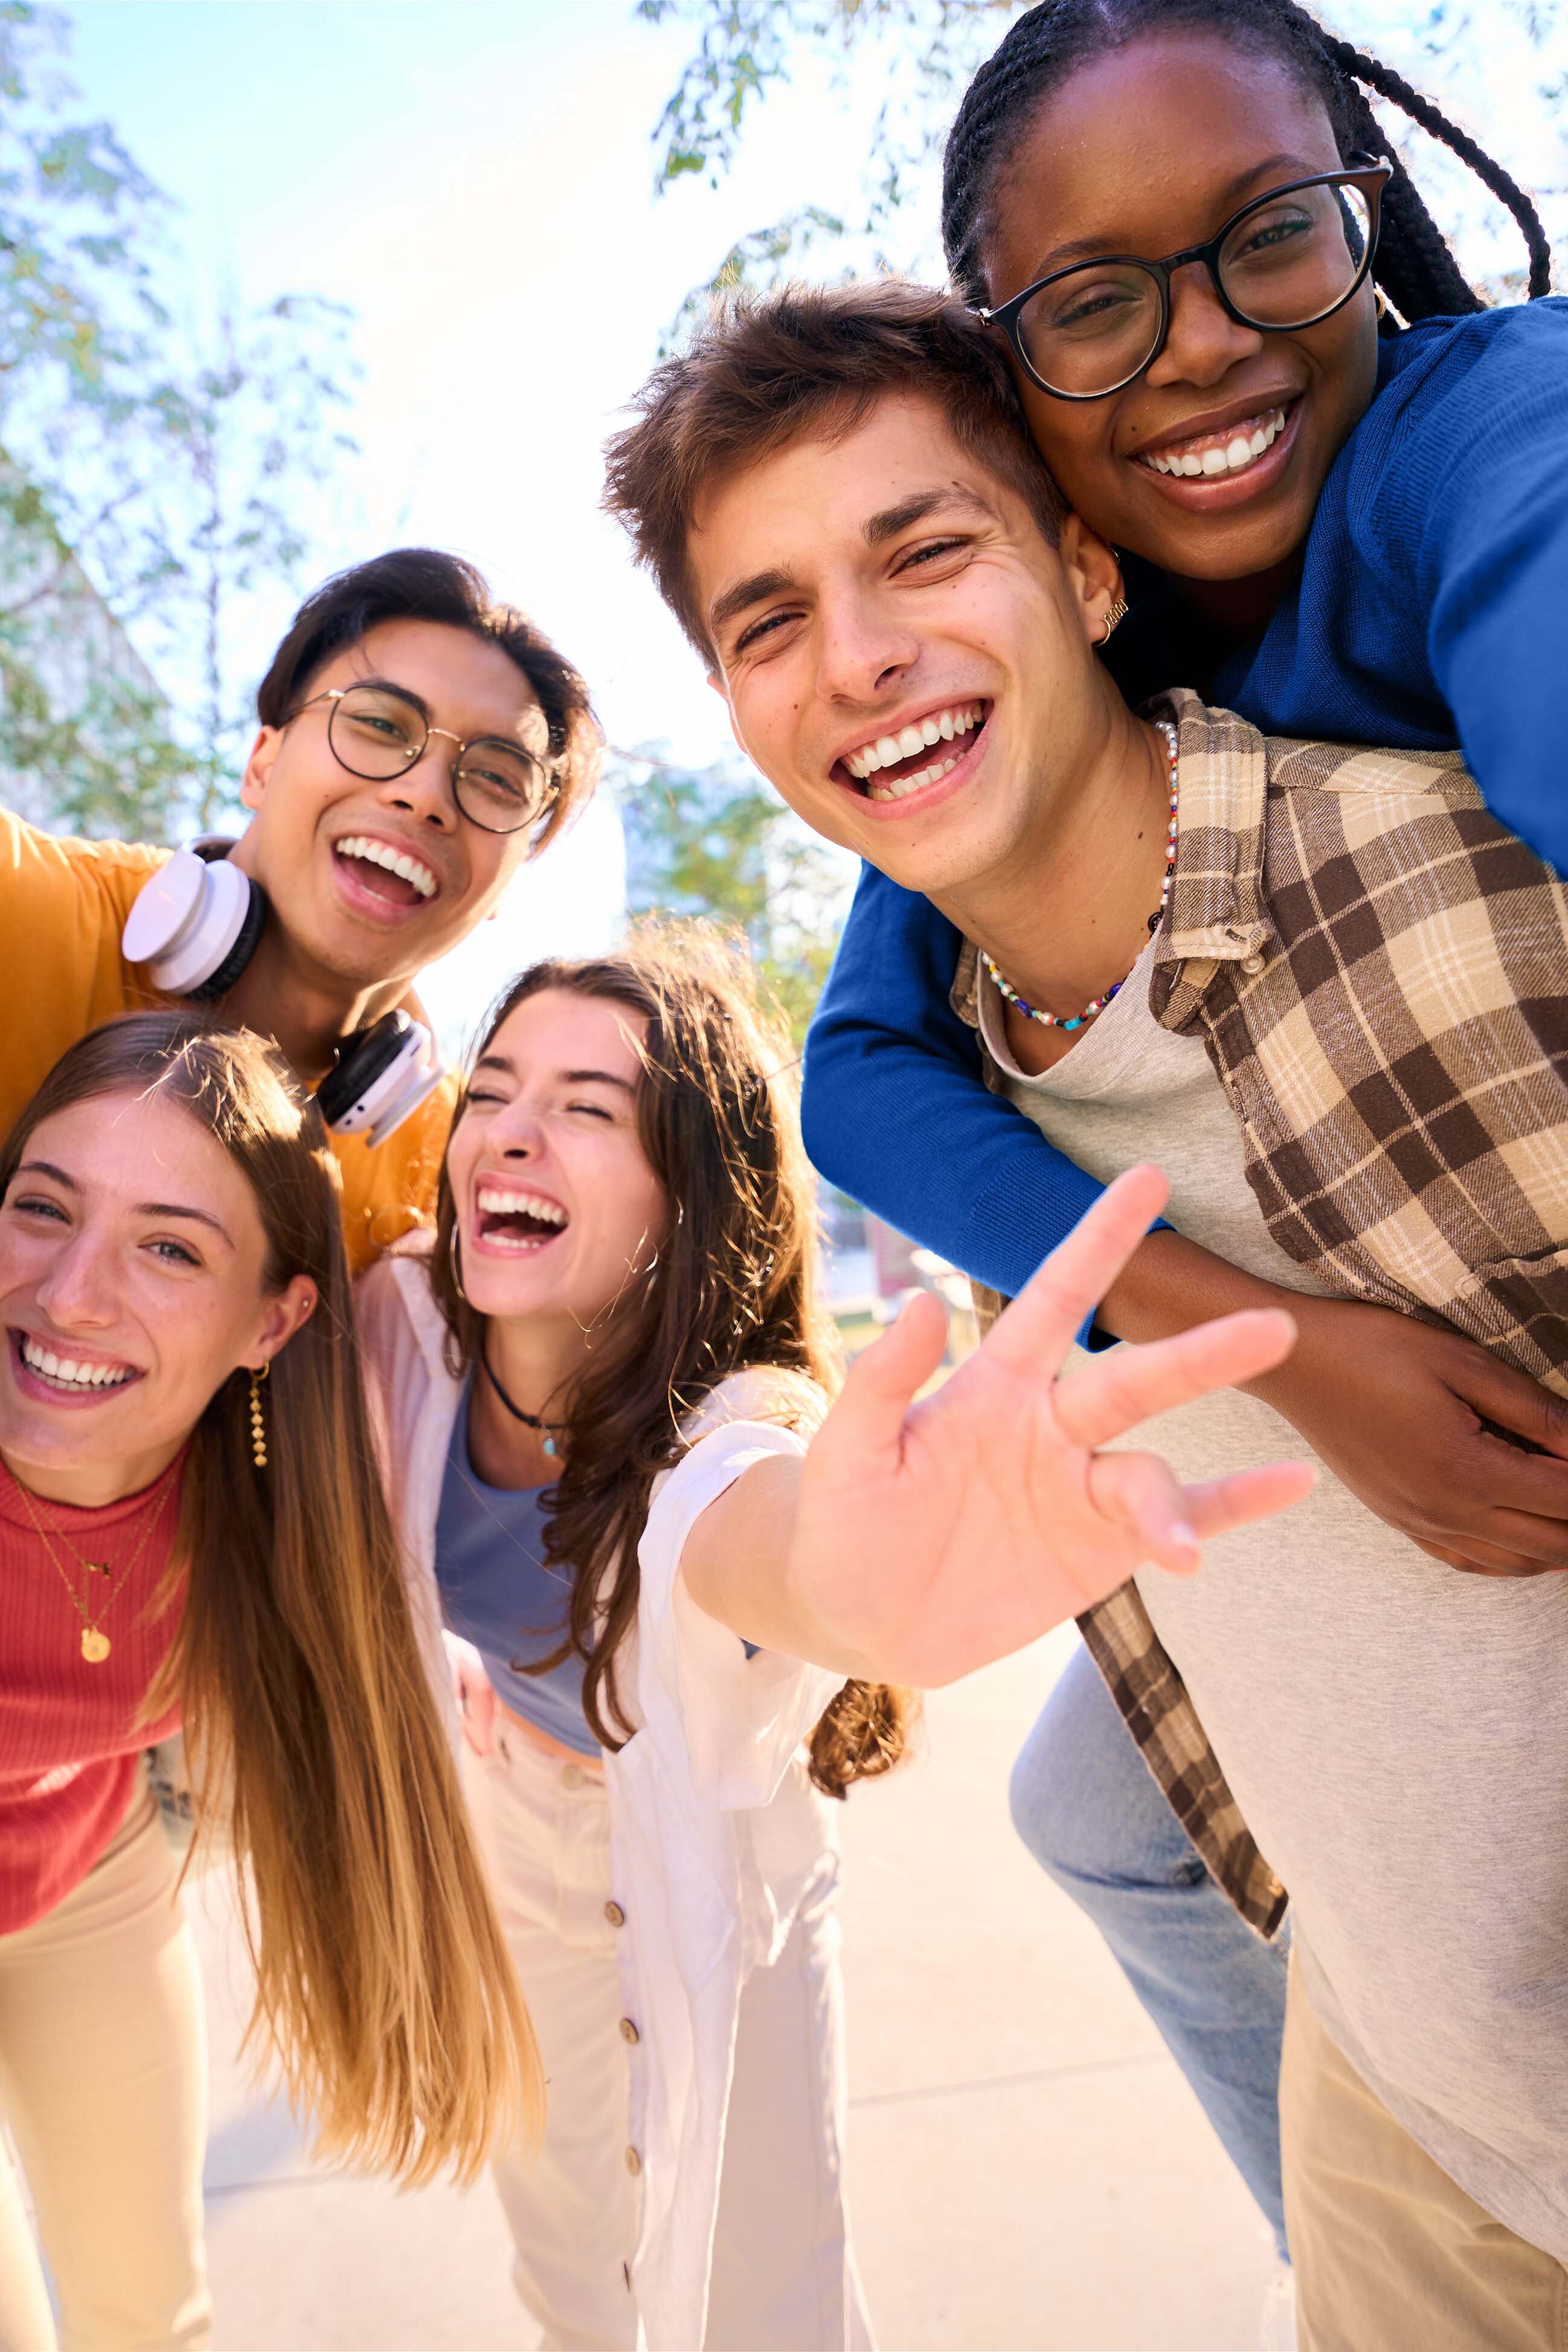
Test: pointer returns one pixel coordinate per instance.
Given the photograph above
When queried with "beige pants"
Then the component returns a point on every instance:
(784, 2278)
(1390, 2254)
(103, 2085)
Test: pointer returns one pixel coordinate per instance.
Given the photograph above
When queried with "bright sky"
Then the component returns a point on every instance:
(475, 178)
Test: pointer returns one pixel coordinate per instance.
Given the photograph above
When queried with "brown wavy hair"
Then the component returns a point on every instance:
(732, 1290)
(385, 1990)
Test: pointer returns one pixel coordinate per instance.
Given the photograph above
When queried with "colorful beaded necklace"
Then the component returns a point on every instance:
(1167, 735)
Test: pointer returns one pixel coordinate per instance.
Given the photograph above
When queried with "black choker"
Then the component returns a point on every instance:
(529, 1419)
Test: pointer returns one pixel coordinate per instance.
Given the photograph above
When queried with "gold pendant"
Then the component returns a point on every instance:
(94, 1645)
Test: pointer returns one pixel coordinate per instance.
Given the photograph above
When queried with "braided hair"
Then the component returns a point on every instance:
(1414, 265)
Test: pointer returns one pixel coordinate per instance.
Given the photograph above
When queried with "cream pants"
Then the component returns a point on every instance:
(103, 2085)
(783, 2278)
(1390, 2254)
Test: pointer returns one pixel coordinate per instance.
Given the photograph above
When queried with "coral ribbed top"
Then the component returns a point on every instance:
(70, 1741)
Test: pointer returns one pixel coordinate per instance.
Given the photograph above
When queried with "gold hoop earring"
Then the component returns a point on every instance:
(1379, 302)
(257, 1427)
(1114, 614)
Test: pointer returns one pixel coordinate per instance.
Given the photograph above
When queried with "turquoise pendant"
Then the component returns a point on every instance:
(549, 1447)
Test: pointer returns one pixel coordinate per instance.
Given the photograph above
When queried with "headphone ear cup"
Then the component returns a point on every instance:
(252, 926)
(194, 924)
(384, 1074)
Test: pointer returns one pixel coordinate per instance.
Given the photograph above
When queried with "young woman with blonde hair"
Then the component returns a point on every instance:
(192, 1527)
(602, 1377)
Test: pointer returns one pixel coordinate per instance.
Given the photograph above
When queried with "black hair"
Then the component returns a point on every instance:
(425, 584)
(1414, 265)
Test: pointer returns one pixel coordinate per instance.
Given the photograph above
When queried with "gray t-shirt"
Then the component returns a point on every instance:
(1396, 1733)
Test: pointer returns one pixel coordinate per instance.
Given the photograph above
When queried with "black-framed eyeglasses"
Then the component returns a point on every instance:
(1288, 259)
(380, 732)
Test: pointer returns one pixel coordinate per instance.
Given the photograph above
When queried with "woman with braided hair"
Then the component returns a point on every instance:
(1354, 527)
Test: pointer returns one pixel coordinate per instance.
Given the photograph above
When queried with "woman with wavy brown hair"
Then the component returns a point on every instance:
(676, 1580)
(633, 1118)
(192, 1530)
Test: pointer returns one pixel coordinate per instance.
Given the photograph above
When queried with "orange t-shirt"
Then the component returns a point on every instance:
(63, 905)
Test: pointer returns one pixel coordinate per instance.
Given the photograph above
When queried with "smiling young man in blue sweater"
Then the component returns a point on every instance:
(1329, 993)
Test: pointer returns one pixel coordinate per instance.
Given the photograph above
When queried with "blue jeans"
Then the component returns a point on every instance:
(1088, 1808)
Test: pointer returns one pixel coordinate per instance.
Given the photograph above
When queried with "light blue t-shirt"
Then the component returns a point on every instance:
(496, 1592)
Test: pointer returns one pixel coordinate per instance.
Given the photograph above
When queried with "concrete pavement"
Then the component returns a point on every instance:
(1029, 2171)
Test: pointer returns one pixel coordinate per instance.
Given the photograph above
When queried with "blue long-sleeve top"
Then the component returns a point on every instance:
(1431, 611)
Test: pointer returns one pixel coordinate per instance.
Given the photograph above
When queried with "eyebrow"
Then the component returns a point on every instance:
(47, 1168)
(746, 593)
(887, 525)
(196, 1216)
(395, 685)
(1231, 196)
(877, 531)
(571, 1078)
(143, 1209)
(486, 735)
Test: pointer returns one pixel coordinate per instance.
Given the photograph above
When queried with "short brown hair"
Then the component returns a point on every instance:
(426, 583)
(770, 369)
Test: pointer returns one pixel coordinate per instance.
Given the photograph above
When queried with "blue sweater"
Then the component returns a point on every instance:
(1432, 611)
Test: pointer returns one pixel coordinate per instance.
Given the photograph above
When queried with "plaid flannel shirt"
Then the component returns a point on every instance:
(1379, 972)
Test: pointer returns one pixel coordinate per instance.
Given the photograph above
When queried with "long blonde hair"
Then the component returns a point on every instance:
(385, 1990)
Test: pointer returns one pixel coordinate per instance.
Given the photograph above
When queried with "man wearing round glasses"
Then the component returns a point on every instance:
(382, 732)
(418, 741)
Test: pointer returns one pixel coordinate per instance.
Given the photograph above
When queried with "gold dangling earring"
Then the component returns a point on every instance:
(1114, 614)
(257, 1428)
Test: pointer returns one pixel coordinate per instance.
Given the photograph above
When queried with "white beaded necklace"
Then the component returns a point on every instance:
(1167, 735)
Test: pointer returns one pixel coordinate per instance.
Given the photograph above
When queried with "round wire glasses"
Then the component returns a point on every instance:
(1288, 259)
(380, 732)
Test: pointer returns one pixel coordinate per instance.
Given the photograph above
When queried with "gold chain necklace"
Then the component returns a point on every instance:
(94, 1639)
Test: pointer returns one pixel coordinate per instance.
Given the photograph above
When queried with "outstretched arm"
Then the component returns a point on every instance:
(896, 1111)
(916, 1541)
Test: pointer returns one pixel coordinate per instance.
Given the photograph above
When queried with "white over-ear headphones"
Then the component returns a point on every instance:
(384, 1071)
(195, 925)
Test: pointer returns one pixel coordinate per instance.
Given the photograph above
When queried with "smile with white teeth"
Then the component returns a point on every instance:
(1230, 452)
(65, 1374)
(524, 1214)
(920, 735)
(394, 861)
